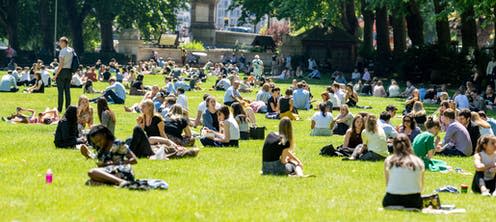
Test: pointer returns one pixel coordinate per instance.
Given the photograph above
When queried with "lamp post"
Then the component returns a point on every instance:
(55, 30)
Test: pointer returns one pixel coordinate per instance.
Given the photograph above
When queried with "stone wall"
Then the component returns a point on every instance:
(227, 39)
(145, 53)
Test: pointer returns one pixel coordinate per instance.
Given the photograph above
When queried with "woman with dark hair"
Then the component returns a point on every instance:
(113, 158)
(351, 97)
(409, 127)
(209, 117)
(228, 136)
(105, 115)
(321, 122)
(353, 136)
(285, 106)
(404, 176)
(66, 134)
(49, 116)
(278, 156)
(38, 87)
(240, 117)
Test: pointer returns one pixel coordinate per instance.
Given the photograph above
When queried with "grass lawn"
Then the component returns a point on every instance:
(218, 185)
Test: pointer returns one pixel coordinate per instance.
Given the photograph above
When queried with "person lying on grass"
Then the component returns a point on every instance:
(113, 158)
(485, 166)
(49, 116)
(278, 152)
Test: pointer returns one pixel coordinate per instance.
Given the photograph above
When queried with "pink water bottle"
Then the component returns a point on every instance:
(49, 176)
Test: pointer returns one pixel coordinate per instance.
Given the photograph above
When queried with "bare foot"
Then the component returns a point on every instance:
(127, 109)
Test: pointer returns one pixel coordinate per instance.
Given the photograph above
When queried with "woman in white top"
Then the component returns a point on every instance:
(374, 142)
(484, 127)
(404, 174)
(394, 89)
(229, 131)
(485, 166)
(321, 122)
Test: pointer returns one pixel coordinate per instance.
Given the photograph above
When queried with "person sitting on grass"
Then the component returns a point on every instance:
(343, 121)
(38, 87)
(115, 93)
(404, 174)
(242, 120)
(285, 106)
(374, 142)
(137, 87)
(351, 96)
(67, 134)
(426, 143)
(113, 158)
(419, 114)
(85, 113)
(176, 123)
(105, 115)
(410, 101)
(457, 140)
(228, 135)
(484, 126)
(264, 94)
(8, 83)
(321, 122)
(209, 116)
(409, 127)
(278, 156)
(232, 94)
(485, 166)
(465, 118)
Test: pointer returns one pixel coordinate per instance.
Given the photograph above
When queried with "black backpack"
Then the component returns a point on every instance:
(75, 61)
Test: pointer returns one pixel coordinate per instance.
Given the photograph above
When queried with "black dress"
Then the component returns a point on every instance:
(152, 129)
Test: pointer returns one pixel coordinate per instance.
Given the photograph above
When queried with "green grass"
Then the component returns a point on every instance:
(218, 185)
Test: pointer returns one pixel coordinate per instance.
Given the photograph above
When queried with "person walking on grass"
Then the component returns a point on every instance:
(63, 75)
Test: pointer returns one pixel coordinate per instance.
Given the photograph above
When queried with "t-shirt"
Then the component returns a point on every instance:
(402, 180)
(462, 101)
(422, 144)
(272, 150)
(488, 160)
(152, 129)
(175, 127)
(118, 89)
(263, 96)
(107, 121)
(66, 54)
(376, 142)
(182, 101)
(230, 93)
(7, 83)
(45, 77)
(457, 135)
(274, 101)
(321, 121)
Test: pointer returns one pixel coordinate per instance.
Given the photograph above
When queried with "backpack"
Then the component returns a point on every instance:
(75, 61)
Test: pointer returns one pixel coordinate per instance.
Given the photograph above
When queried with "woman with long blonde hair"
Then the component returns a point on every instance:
(374, 140)
(278, 156)
(484, 127)
(84, 112)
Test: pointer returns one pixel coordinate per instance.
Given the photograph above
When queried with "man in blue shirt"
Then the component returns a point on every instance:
(8, 83)
(301, 97)
(232, 94)
(115, 93)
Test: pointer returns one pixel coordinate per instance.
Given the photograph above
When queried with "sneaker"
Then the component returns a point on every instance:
(485, 193)
(494, 194)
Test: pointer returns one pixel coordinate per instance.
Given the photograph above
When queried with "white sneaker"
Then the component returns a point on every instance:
(494, 194)
(485, 193)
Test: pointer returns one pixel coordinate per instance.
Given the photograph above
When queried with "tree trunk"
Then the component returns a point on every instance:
(8, 20)
(442, 25)
(44, 15)
(76, 18)
(415, 23)
(399, 33)
(494, 23)
(368, 20)
(469, 29)
(382, 29)
(106, 33)
(348, 17)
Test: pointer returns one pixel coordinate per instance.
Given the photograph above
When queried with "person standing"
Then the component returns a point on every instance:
(63, 75)
(258, 66)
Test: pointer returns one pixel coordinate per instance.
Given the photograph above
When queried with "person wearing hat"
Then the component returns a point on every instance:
(8, 83)
(258, 66)
(232, 94)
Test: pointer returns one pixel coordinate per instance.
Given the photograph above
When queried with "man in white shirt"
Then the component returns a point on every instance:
(8, 83)
(339, 92)
(182, 100)
(63, 75)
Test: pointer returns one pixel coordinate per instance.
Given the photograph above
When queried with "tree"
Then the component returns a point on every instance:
(368, 20)
(349, 18)
(76, 13)
(468, 28)
(382, 28)
(442, 24)
(415, 23)
(45, 27)
(8, 20)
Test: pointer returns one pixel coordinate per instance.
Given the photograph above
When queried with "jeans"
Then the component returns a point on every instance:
(64, 86)
(452, 151)
(111, 96)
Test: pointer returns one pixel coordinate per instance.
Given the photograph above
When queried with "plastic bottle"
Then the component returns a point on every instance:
(49, 176)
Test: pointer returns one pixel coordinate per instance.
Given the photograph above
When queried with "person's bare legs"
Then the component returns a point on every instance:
(99, 175)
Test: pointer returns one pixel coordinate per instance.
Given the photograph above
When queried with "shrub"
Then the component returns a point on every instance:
(193, 46)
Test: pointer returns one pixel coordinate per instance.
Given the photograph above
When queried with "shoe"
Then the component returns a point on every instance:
(485, 193)
(494, 194)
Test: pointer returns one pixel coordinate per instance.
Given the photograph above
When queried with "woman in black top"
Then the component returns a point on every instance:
(285, 106)
(176, 124)
(273, 101)
(38, 86)
(277, 153)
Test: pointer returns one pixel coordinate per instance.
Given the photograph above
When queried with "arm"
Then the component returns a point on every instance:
(313, 124)
(386, 172)
(288, 156)
(187, 131)
(161, 126)
(131, 158)
(479, 166)
(347, 137)
(90, 121)
(198, 117)
(61, 64)
(224, 137)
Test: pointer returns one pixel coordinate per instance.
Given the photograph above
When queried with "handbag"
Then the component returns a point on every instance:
(257, 133)
(431, 200)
